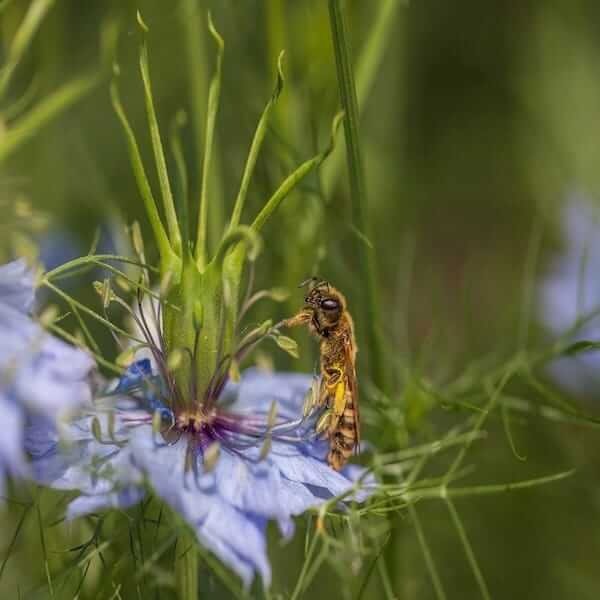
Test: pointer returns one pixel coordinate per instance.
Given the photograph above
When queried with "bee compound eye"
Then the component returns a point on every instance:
(330, 304)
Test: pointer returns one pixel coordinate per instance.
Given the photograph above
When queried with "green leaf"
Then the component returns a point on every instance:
(580, 347)
(287, 344)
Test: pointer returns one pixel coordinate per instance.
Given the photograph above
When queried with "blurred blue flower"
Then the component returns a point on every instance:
(39, 374)
(227, 476)
(570, 293)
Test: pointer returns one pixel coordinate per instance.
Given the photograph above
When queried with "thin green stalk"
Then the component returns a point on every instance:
(94, 259)
(186, 566)
(494, 395)
(367, 69)
(358, 193)
(485, 593)
(82, 307)
(33, 18)
(211, 116)
(157, 147)
(301, 582)
(29, 124)
(73, 340)
(433, 573)
(44, 549)
(385, 580)
(13, 541)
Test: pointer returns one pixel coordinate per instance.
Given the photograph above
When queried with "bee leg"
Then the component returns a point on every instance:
(302, 318)
(334, 374)
(336, 402)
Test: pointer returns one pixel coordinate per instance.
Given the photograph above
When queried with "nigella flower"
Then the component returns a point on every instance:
(228, 457)
(570, 295)
(39, 374)
(230, 462)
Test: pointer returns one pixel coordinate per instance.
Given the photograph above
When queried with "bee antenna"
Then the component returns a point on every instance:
(307, 281)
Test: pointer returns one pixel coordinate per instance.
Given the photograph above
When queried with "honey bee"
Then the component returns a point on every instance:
(326, 315)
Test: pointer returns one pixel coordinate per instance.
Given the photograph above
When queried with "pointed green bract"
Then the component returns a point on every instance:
(259, 136)
(157, 147)
(182, 177)
(211, 115)
(167, 255)
(295, 178)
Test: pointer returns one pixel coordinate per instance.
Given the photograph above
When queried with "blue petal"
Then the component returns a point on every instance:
(85, 504)
(79, 462)
(260, 489)
(39, 370)
(257, 390)
(572, 290)
(12, 456)
(236, 537)
(17, 286)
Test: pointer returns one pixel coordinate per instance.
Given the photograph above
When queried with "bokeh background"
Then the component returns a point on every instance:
(479, 124)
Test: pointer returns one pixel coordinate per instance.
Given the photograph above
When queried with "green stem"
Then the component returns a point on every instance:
(186, 566)
(360, 217)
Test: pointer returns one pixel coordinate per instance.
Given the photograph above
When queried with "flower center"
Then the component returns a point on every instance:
(195, 421)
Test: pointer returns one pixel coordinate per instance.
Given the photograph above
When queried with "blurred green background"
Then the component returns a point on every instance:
(478, 119)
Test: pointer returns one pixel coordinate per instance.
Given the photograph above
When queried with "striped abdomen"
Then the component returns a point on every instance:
(343, 436)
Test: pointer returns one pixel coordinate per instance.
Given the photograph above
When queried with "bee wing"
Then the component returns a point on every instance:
(352, 384)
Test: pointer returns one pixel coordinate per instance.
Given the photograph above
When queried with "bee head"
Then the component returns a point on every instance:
(325, 300)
